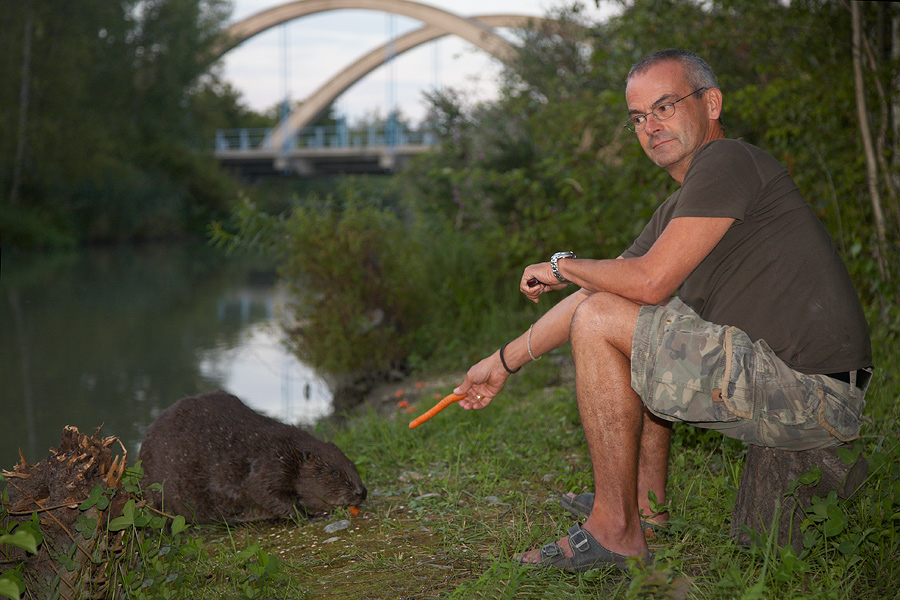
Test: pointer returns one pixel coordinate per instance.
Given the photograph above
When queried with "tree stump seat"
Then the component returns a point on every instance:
(769, 475)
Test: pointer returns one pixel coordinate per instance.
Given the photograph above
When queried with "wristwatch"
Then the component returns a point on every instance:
(554, 259)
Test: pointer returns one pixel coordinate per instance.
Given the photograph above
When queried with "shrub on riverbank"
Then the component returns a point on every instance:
(380, 284)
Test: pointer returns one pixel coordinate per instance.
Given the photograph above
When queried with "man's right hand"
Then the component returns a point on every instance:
(537, 279)
(484, 380)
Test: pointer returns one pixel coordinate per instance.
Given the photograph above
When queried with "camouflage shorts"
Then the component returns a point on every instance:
(687, 369)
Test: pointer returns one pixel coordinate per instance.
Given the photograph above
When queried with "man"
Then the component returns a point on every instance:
(765, 342)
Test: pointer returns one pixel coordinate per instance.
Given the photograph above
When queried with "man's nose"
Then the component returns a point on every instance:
(654, 124)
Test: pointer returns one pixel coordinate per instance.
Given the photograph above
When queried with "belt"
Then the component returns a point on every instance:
(862, 377)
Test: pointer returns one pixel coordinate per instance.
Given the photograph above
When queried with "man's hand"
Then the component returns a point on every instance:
(484, 380)
(537, 279)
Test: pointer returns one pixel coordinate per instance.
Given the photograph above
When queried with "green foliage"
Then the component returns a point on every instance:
(114, 101)
(26, 227)
(27, 537)
(150, 555)
(377, 282)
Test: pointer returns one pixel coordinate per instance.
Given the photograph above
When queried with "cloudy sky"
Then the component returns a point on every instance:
(294, 59)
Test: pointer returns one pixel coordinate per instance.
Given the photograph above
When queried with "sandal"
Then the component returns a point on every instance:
(581, 506)
(588, 554)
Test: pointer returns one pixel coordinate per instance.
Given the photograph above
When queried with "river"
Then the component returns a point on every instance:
(110, 337)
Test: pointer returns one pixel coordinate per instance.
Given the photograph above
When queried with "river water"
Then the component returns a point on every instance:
(111, 337)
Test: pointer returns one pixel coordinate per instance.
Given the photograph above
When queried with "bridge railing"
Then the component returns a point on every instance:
(334, 136)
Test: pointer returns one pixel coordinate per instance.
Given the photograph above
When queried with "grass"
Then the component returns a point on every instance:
(451, 502)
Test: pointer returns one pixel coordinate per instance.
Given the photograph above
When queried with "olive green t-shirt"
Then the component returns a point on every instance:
(776, 274)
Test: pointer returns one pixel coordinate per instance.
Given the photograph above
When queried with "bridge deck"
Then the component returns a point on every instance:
(320, 150)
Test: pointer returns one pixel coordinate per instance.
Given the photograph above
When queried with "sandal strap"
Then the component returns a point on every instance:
(579, 539)
(550, 550)
(580, 506)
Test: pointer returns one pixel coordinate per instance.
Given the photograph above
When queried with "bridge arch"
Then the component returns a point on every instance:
(471, 31)
(318, 102)
(438, 23)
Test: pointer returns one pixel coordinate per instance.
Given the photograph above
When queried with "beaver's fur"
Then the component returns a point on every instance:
(219, 460)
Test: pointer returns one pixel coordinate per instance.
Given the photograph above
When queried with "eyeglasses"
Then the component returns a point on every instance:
(636, 123)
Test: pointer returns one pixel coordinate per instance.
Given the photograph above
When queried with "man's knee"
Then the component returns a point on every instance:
(604, 317)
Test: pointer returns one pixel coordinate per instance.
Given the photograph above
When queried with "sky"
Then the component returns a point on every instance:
(292, 60)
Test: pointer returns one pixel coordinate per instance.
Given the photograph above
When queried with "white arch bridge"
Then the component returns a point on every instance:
(293, 146)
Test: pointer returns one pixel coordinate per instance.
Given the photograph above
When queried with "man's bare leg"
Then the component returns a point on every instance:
(614, 419)
(653, 466)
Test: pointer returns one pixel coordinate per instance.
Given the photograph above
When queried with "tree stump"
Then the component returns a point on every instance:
(769, 474)
(53, 490)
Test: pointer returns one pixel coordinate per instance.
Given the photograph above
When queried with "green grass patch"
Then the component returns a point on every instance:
(451, 502)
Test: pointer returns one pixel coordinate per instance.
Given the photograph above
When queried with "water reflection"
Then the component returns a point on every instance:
(259, 371)
(112, 337)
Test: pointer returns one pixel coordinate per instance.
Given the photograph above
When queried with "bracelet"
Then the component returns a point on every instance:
(503, 360)
(528, 344)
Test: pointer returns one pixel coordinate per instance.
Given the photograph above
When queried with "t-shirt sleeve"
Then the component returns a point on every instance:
(722, 181)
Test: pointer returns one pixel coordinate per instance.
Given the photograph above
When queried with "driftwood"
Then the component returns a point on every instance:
(768, 476)
(53, 489)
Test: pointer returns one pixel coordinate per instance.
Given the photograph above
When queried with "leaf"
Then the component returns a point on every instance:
(126, 520)
(819, 509)
(847, 548)
(93, 498)
(9, 589)
(811, 538)
(835, 522)
(178, 525)
(120, 523)
(811, 477)
(20, 539)
(848, 456)
(757, 592)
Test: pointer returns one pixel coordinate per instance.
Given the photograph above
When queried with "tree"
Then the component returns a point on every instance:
(866, 135)
(110, 105)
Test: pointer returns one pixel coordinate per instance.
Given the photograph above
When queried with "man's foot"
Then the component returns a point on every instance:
(579, 551)
(581, 506)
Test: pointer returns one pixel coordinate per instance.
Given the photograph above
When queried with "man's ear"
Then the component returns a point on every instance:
(713, 100)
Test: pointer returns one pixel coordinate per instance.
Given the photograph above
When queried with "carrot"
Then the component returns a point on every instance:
(447, 401)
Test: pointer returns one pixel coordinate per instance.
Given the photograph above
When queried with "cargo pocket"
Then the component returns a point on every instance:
(688, 364)
(839, 416)
(736, 390)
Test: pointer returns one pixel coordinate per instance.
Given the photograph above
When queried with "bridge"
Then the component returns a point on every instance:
(293, 146)
(320, 150)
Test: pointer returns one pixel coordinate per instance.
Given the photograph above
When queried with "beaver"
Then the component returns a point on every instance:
(219, 460)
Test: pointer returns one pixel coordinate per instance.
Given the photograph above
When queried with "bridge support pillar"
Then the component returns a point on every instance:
(299, 166)
(387, 161)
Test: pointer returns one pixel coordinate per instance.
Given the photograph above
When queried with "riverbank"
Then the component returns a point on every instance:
(452, 501)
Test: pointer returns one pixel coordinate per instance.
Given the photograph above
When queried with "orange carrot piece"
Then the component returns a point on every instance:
(447, 401)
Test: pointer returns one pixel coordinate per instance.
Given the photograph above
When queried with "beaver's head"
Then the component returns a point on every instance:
(321, 478)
